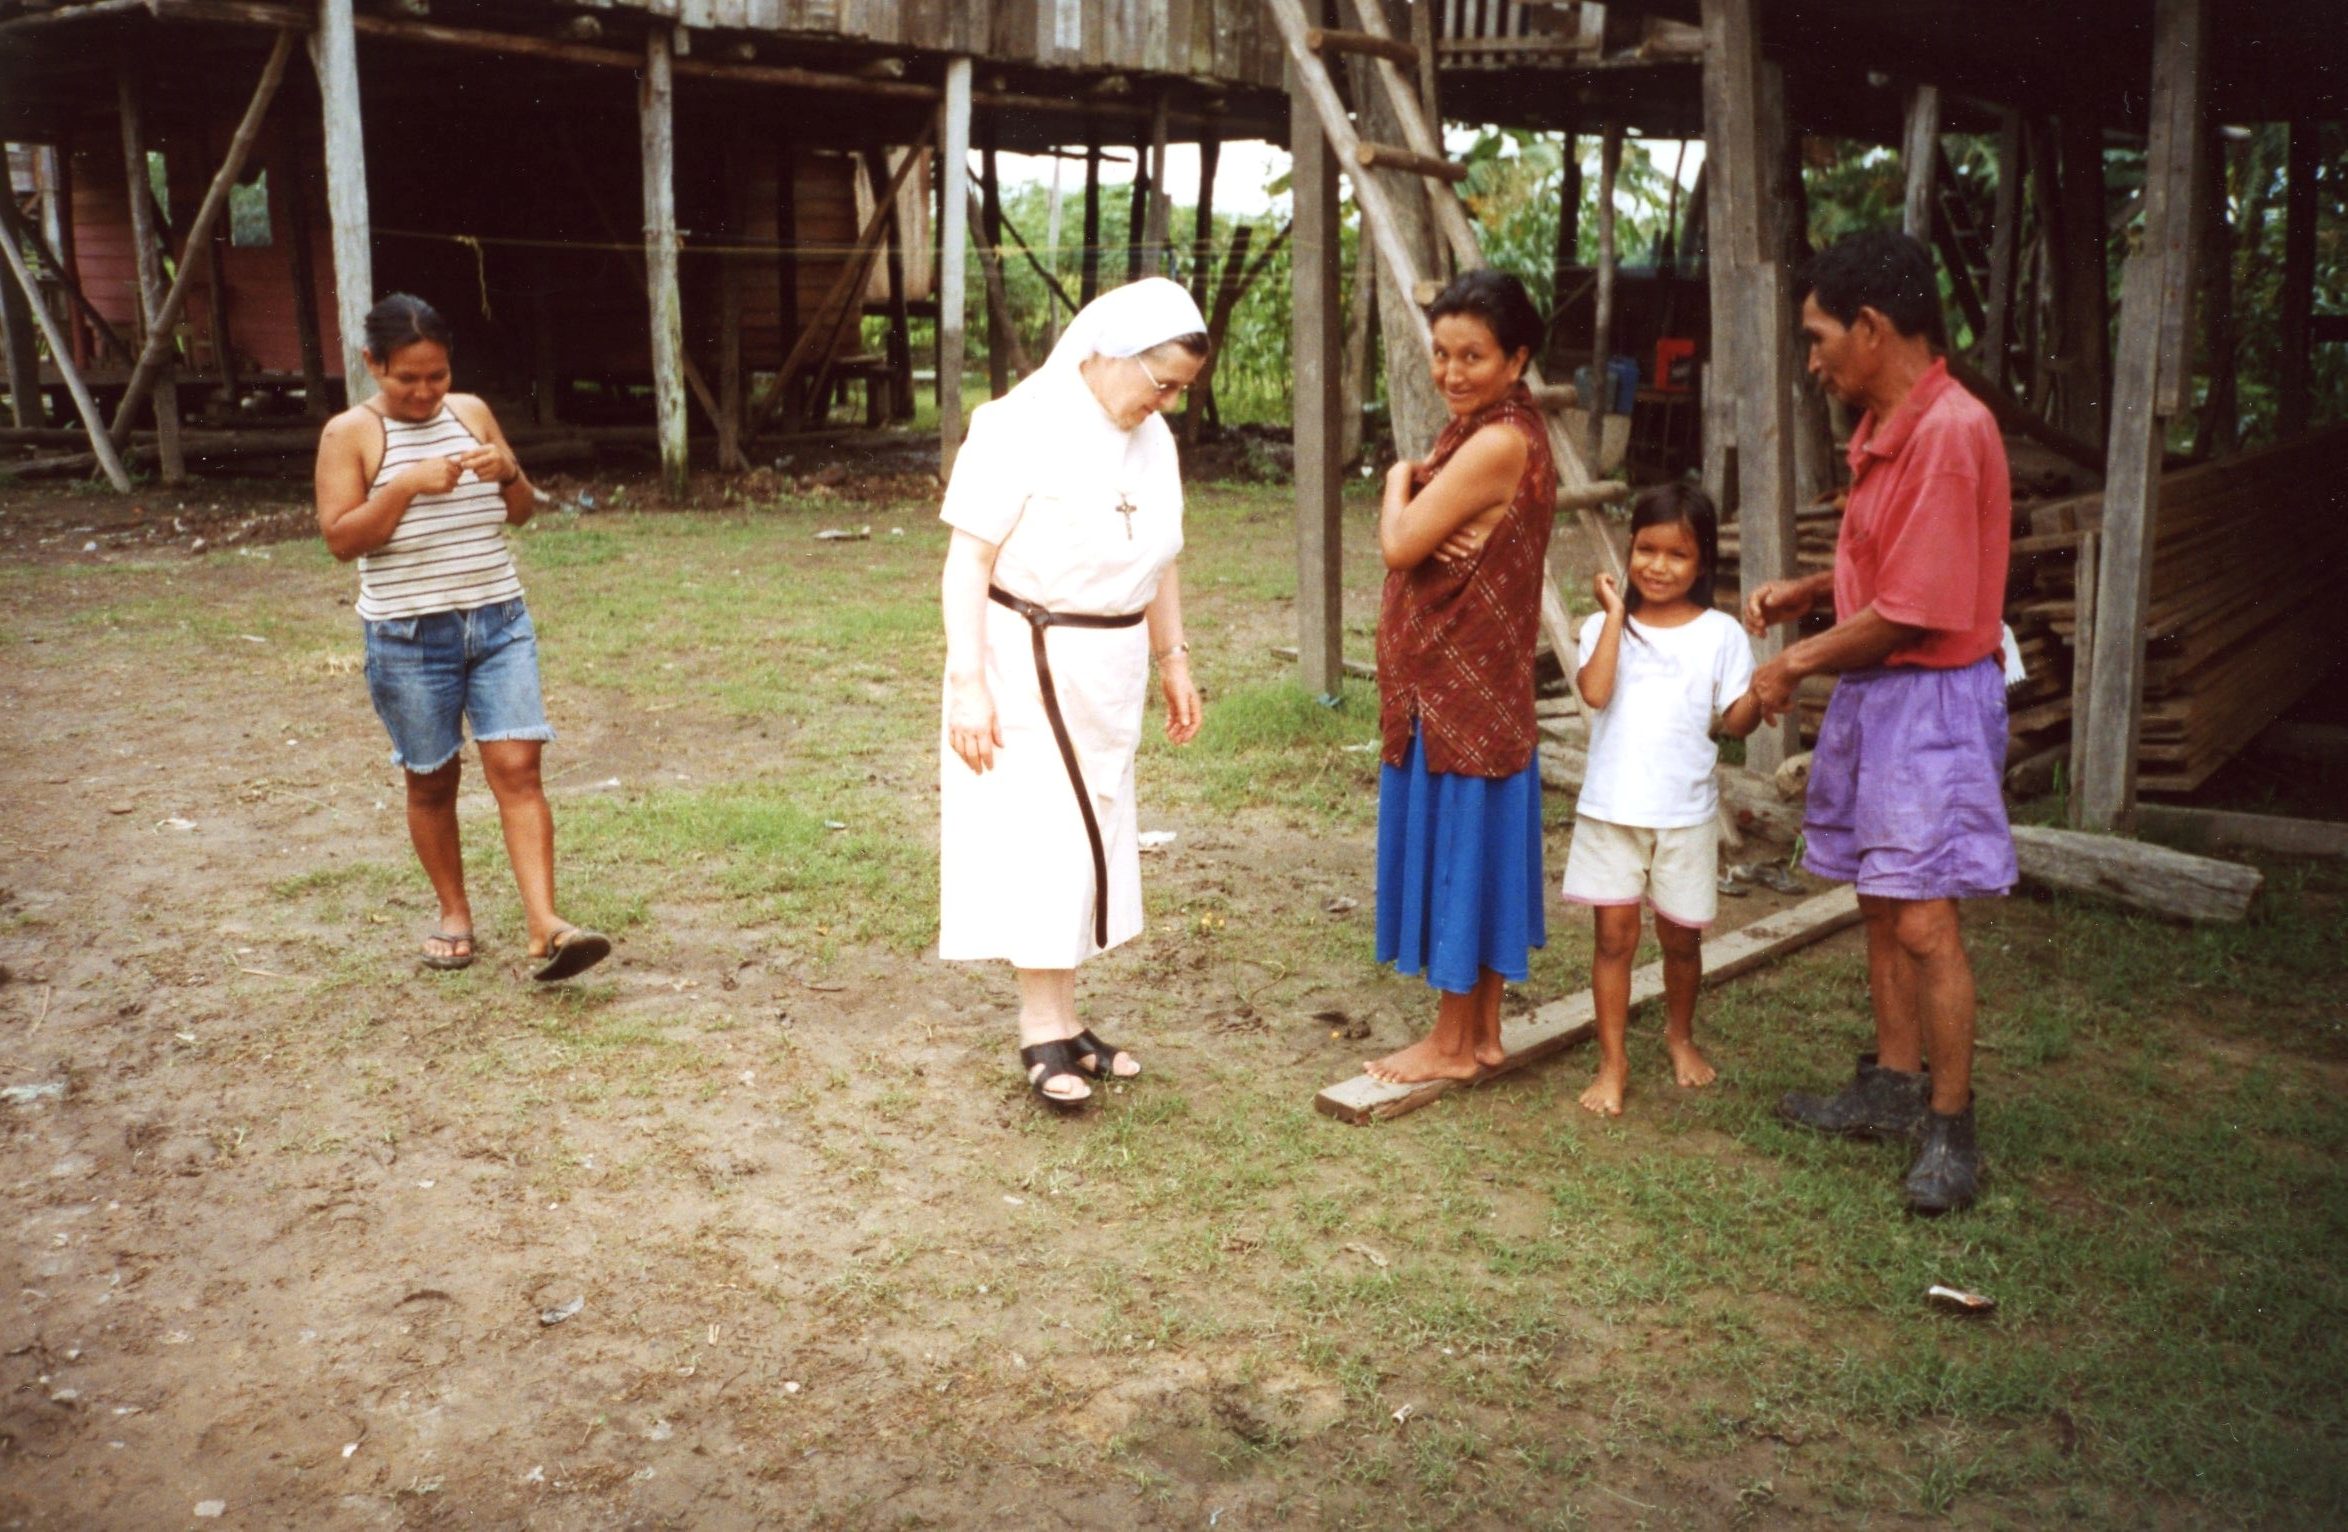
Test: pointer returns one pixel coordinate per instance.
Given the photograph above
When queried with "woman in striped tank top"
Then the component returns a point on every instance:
(419, 485)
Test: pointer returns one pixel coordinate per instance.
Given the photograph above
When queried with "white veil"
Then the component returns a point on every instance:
(1126, 321)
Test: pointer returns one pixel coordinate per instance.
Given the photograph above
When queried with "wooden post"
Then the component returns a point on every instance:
(334, 54)
(1751, 378)
(2005, 239)
(1159, 207)
(734, 165)
(1089, 283)
(100, 444)
(1137, 210)
(1919, 150)
(2299, 210)
(953, 254)
(1314, 257)
(900, 321)
(2084, 365)
(1569, 218)
(24, 354)
(216, 301)
(151, 356)
(1361, 313)
(1051, 251)
(148, 259)
(787, 270)
(2217, 431)
(2152, 306)
(293, 177)
(1602, 333)
(1202, 236)
(656, 123)
(990, 244)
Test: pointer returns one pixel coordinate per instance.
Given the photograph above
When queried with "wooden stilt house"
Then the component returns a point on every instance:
(602, 196)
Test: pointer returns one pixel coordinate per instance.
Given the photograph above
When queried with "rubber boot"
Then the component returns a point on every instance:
(1947, 1173)
(1878, 1103)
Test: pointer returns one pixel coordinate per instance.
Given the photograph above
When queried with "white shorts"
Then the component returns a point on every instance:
(1675, 870)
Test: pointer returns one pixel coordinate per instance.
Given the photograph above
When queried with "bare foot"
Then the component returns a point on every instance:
(1605, 1093)
(1687, 1065)
(1491, 1056)
(1422, 1061)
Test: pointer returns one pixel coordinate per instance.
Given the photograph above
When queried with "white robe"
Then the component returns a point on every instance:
(1042, 474)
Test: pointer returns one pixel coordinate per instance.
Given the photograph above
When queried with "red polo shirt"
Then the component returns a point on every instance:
(1930, 524)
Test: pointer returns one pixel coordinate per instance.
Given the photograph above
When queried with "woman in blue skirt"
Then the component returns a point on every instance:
(1465, 535)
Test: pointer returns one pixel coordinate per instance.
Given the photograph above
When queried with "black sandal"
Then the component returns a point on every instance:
(1053, 1061)
(1103, 1055)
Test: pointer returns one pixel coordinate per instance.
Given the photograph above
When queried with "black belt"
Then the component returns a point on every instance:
(1039, 619)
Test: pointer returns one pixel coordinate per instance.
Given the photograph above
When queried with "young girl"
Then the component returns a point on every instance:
(1644, 828)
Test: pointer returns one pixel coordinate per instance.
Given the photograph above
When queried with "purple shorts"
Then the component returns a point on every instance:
(1906, 786)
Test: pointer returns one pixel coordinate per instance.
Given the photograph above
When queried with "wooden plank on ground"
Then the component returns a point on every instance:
(1561, 1024)
(2156, 879)
(2195, 828)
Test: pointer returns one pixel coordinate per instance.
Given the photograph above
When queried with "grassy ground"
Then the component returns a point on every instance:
(1202, 1298)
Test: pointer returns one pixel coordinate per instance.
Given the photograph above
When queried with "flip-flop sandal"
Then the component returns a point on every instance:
(1103, 1055)
(448, 962)
(574, 952)
(1054, 1061)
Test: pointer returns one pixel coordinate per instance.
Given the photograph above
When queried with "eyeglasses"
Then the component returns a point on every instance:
(1165, 390)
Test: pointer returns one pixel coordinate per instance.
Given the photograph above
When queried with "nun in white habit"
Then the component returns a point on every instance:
(1060, 590)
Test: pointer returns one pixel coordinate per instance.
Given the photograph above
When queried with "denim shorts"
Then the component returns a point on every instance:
(430, 675)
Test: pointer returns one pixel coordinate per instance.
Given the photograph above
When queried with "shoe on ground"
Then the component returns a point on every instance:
(1947, 1174)
(1878, 1103)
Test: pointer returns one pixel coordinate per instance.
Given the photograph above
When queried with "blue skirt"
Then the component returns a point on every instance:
(1460, 887)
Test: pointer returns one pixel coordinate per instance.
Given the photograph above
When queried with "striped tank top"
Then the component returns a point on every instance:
(448, 553)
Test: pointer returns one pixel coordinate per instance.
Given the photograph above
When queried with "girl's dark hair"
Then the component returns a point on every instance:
(1195, 343)
(1666, 504)
(402, 319)
(1499, 300)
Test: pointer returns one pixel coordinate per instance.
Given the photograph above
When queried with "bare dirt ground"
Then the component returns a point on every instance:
(289, 1230)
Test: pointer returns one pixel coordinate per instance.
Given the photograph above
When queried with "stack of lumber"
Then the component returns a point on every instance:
(2247, 555)
(2246, 552)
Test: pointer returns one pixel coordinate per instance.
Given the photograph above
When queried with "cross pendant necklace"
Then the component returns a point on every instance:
(1126, 508)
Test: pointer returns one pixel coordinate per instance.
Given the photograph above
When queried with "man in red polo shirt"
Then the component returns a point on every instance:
(1905, 796)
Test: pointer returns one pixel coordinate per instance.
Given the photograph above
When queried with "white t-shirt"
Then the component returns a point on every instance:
(1651, 749)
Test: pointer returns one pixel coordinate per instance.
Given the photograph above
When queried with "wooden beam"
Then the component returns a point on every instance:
(147, 258)
(1088, 284)
(900, 344)
(2005, 243)
(1387, 157)
(2174, 884)
(1919, 157)
(1332, 40)
(292, 176)
(2295, 366)
(2193, 829)
(1561, 1024)
(953, 253)
(786, 401)
(2013, 417)
(734, 166)
(990, 267)
(2083, 368)
(158, 346)
(2151, 308)
(25, 401)
(334, 56)
(1202, 232)
(656, 123)
(1602, 332)
(1314, 263)
(100, 443)
(1158, 207)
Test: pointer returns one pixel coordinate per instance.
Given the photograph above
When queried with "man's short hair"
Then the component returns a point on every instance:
(1880, 269)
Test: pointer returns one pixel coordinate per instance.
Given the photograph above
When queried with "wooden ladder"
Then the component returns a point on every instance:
(1577, 490)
